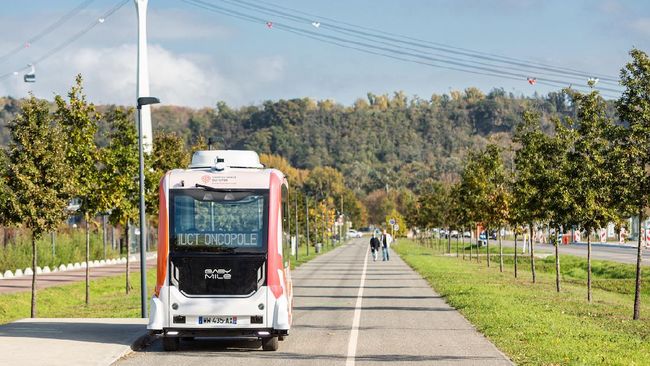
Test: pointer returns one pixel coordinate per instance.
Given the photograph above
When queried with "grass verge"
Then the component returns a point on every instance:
(107, 300)
(532, 323)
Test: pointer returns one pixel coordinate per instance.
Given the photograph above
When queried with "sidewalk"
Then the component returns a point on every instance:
(69, 341)
(44, 280)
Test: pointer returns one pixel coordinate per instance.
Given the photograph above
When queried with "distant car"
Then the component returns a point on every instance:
(482, 239)
(353, 234)
(454, 233)
(467, 234)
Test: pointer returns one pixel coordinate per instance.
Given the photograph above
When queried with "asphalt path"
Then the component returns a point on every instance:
(623, 254)
(44, 280)
(350, 310)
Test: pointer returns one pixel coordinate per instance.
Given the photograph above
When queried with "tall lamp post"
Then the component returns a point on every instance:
(142, 101)
(142, 87)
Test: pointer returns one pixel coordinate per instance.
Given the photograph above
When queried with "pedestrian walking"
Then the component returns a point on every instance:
(386, 240)
(374, 247)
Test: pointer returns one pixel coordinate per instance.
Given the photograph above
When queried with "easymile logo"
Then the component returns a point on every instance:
(217, 274)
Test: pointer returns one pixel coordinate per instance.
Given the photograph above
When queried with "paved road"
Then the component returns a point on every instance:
(397, 320)
(625, 254)
(44, 280)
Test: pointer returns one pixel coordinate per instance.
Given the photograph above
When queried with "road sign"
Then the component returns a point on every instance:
(391, 221)
(396, 227)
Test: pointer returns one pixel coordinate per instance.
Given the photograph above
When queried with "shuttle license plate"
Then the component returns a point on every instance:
(217, 320)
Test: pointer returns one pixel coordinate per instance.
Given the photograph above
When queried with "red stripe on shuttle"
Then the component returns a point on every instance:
(163, 236)
(274, 258)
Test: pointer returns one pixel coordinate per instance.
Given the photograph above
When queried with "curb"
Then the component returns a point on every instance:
(624, 246)
(139, 344)
(8, 274)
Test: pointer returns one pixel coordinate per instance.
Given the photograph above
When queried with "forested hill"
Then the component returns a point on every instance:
(379, 141)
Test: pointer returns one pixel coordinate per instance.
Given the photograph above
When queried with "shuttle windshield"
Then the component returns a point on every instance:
(218, 221)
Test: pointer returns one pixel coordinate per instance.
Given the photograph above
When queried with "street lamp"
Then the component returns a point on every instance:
(143, 225)
(142, 87)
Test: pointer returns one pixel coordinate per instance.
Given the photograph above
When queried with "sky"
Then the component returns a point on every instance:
(198, 57)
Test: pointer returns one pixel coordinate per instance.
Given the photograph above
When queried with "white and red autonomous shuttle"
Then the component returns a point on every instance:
(221, 271)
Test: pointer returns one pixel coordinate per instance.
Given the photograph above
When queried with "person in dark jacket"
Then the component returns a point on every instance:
(374, 246)
(386, 239)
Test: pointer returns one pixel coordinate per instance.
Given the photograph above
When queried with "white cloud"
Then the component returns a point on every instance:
(110, 77)
(177, 79)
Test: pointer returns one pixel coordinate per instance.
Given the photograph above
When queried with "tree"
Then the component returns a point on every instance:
(497, 195)
(37, 176)
(78, 120)
(559, 154)
(324, 182)
(432, 204)
(169, 152)
(529, 184)
(119, 176)
(634, 109)
(471, 183)
(589, 187)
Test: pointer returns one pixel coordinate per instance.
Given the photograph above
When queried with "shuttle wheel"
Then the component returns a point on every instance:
(270, 344)
(171, 343)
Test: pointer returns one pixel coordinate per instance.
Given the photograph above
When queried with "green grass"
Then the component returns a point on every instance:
(107, 296)
(108, 299)
(607, 275)
(532, 323)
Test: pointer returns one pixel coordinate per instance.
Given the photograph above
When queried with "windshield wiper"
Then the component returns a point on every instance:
(207, 188)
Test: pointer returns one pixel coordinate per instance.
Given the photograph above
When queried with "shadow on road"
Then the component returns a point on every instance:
(94, 332)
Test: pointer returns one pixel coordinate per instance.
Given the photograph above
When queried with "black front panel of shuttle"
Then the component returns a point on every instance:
(211, 274)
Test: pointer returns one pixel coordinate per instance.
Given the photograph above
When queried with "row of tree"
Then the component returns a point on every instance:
(54, 156)
(586, 172)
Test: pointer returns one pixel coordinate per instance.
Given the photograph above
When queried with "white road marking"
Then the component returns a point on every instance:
(354, 333)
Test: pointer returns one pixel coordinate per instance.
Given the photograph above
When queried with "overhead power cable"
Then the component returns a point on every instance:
(72, 38)
(499, 58)
(389, 52)
(577, 78)
(47, 30)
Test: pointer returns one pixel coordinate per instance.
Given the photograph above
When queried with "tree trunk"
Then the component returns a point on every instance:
(487, 245)
(457, 239)
(500, 253)
(637, 281)
(478, 249)
(126, 239)
(470, 246)
(104, 234)
(589, 295)
(515, 252)
(462, 235)
(448, 240)
(53, 242)
(87, 259)
(557, 264)
(532, 252)
(34, 262)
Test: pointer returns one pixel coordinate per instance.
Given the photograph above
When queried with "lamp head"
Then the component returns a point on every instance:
(147, 100)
